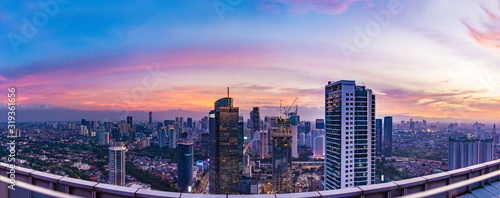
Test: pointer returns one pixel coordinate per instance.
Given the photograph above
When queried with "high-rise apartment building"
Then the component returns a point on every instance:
(117, 165)
(387, 136)
(282, 157)
(224, 154)
(468, 151)
(350, 135)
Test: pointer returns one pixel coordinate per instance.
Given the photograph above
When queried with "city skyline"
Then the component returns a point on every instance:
(429, 61)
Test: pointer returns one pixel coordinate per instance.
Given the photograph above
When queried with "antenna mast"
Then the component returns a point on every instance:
(227, 96)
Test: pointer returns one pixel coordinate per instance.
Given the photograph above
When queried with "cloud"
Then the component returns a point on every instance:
(487, 33)
(298, 7)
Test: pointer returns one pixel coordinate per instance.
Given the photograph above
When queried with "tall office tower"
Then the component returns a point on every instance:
(92, 125)
(412, 124)
(162, 136)
(309, 141)
(205, 142)
(320, 124)
(378, 137)
(294, 119)
(172, 136)
(150, 118)
(104, 138)
(302, 139)
(241, 139)
(116, 134)
(85, 122)
(282, 157)
(263, 144)
(224, 155)
(181, 121)
(204, 123)
(387, 136)
(350, 135)
(319, 146)
(99, 132)
(117, 165)
(189, 122)
(130, 122)
(185, 164)
(307, 127)
(255, 118)
(494, 128)
(468, 151)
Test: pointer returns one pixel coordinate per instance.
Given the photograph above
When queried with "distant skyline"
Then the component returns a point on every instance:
(431, 60)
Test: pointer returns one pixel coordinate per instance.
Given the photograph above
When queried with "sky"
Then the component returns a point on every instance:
(434, 59)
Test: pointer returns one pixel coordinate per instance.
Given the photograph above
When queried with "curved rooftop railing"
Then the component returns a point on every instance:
(448, 184)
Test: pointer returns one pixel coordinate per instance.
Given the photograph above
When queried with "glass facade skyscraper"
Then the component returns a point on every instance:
(282, 157)
(350, 135)
(378, 136)
(387, 136)
(225, 158)
(185, 164)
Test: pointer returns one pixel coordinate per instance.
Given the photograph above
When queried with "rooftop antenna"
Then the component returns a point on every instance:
(227, 96)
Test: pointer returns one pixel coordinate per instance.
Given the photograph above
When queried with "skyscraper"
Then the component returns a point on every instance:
(282, 157)
(319, 149)
(117, 165)
(162, 136)
(189, 122)
(150, 118)
(468, 151)
(412, 124)
(263, 144)
(308, 127)
(350, 126)
(294, 119)
(255, 118)
(130, 122)
(387, 136)
(224, 156)
(320, 124)
(302, 139)
(185, 164)
(378, 136)
(172, 136)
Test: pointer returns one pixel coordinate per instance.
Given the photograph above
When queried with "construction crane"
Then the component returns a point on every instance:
(287, 110)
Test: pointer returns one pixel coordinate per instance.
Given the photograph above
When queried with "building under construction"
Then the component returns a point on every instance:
(282, 157)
